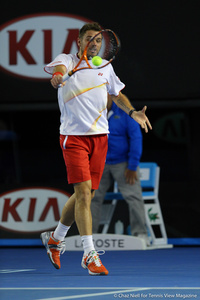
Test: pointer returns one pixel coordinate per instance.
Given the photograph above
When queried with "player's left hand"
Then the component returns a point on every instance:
(141, 118)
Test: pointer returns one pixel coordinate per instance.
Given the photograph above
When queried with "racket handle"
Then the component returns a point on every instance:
(65, 77)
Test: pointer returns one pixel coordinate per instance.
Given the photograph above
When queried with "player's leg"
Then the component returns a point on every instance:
(77, 207)
(54, 241)
(75, 152)
(97, 201)
(91, 260)
(67, 216)
(83, 216)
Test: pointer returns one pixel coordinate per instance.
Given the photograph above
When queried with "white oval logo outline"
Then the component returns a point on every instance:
(40, 213)
(35, 35)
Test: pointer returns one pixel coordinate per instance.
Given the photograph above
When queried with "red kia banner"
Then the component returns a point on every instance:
(31, 210)
(30, 42)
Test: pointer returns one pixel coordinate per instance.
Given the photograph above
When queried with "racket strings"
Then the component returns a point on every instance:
(112, 45)
(109, 48)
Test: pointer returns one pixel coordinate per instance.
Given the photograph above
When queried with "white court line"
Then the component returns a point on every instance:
(94, 294)
(15, 270)
(98, 288)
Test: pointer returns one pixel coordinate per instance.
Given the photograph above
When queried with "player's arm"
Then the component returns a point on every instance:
(139, 116)
(58, 73)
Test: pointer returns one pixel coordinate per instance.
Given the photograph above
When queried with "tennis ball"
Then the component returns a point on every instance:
(97, 61)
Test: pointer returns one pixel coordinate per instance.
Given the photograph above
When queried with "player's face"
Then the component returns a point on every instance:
(94, 46)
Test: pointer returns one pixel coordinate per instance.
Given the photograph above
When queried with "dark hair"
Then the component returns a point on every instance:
(89, 26)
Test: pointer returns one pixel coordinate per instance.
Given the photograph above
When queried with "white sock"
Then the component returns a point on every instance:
(60, 231)
(88, 245)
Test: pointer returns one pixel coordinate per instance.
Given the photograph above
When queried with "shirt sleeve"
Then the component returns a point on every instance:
(61, 59)
(114, 85)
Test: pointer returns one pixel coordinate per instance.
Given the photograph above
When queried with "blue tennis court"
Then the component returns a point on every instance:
(26, 273)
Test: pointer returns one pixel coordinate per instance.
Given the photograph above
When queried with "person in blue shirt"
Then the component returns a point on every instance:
(122, 166)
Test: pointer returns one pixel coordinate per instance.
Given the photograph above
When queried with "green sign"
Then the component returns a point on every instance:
(172, 128)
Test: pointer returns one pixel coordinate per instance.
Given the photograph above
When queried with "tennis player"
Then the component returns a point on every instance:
(83, 139)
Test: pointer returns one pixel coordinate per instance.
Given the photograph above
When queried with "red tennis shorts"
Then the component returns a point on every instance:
(84, 157)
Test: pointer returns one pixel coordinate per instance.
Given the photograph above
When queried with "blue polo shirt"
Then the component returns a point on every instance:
(124, 140)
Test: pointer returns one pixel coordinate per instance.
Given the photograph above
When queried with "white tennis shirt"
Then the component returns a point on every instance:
(83, 99)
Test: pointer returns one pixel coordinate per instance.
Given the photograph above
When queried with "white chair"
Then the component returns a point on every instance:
(149, 177)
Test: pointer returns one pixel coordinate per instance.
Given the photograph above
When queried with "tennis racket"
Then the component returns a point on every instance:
(110, 46)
